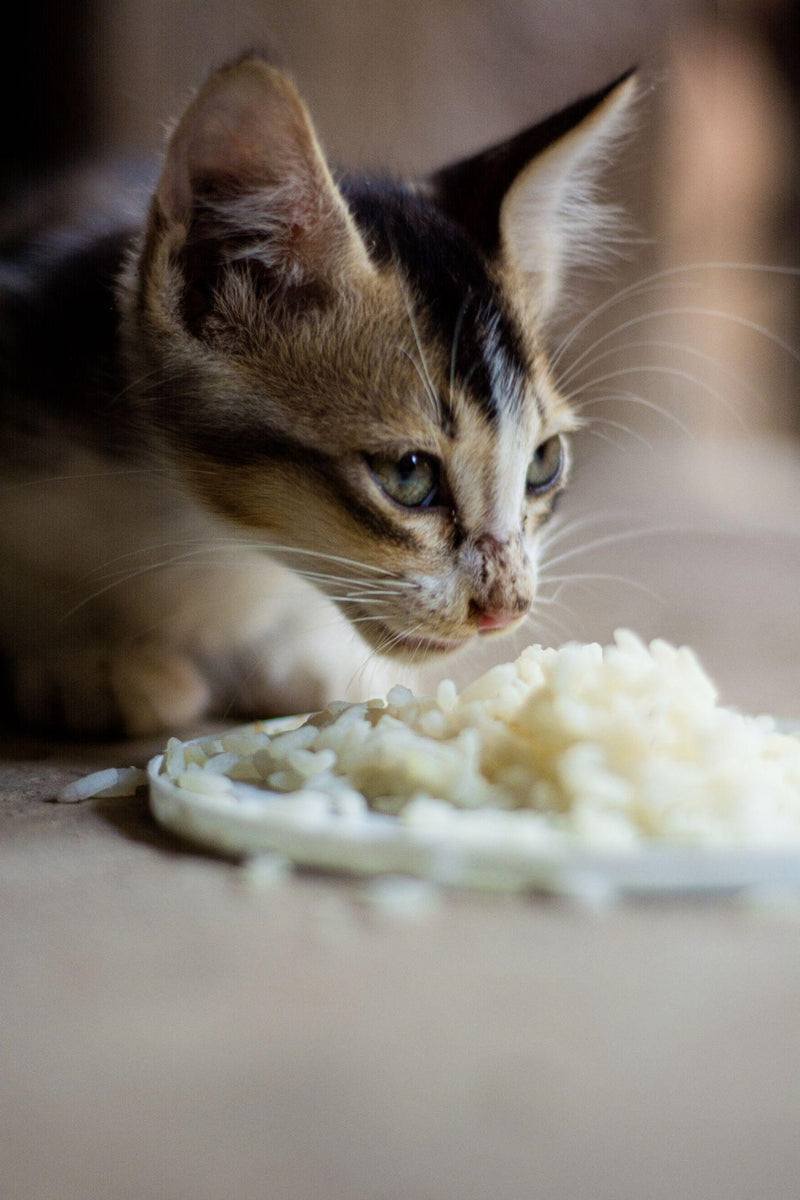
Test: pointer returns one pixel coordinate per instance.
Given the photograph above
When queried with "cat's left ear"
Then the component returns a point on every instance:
(530, 202)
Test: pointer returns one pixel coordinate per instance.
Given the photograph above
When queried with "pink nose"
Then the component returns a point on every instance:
(496, 618)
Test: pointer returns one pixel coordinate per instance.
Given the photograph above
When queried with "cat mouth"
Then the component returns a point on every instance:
(418, 644)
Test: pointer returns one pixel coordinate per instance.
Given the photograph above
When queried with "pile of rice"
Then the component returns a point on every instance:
(609, 746)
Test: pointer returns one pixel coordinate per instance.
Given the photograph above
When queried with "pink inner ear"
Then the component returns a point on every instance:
(248, 125)
(272, 197)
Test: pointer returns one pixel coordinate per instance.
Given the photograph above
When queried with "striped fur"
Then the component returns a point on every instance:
(280, 331)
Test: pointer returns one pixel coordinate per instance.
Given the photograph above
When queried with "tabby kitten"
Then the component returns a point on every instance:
(283, 391)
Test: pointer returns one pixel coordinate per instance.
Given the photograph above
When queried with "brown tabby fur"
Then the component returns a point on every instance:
(269, 354)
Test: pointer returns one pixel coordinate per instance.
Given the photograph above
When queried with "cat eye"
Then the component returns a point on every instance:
(412, 480)
(545, 467)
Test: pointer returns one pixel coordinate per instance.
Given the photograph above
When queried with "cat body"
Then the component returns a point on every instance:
(280, 422)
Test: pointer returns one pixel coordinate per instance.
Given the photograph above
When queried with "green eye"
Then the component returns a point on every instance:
(545, 467)
(412, 480)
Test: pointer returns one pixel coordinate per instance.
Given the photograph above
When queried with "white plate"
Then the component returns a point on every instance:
(247, 823)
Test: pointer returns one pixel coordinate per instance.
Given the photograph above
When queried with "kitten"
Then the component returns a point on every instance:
(282, 392)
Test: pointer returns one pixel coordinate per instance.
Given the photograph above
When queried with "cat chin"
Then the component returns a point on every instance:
(415, 647)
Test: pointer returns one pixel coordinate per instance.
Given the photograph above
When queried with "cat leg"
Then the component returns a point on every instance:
(65, 690)
(293, 668)
(265, 641)
(157, 688)
(99, 689)
(247, 643)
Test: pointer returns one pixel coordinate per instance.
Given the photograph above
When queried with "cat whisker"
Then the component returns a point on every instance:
(385, 643)
(365, 618)
(235, 545)
(611, 539)
(371, 591)
(80, 476)
(685, 350)
(560, 528)
(424, 380)
(279, 548)
(599, 577)
(713, 314)
(641, 402)
(634, 291)
(394, 638)
(608, 439)
(462, 312)
(548, 621)
(355, 594)
(661, 279)
(649, 284)
(421, 368)
(156, 373)
(199, 546)
(364, 587)
(626, 431)
(119, 582)
(654, 369)
(354, 598)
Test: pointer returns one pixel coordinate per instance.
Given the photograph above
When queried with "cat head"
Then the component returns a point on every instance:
(351, 371)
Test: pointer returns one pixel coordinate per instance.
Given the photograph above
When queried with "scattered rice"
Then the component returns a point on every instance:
(112, 781)
(610, 747)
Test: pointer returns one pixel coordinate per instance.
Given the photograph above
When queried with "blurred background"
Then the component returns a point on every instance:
(689, 382)
(714, 175)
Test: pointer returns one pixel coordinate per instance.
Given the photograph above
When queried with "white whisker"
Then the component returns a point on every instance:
(642, 402)
(662, 278)
(577, 369)
(560, 528)
(611, 539)
(422, 367)
(205, 557)
(599, 577)
(715, 314)
(117, 472)
(654, 369)
(235, 545)
(620, 427)
(462, 312)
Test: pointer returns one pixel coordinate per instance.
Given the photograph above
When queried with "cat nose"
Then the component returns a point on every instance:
(493, 619)
(503, 583)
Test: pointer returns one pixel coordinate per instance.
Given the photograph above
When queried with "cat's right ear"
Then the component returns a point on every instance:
(244, 179)
(530, 202)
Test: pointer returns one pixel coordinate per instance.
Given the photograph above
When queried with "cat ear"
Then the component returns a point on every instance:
(244, 178)
(530, 202)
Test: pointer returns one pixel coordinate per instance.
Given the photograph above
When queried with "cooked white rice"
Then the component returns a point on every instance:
(110, 782)
(610, 747)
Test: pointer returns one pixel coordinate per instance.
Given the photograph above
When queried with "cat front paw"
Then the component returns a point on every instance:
(157, 689)
(285, 673)
(100, 690)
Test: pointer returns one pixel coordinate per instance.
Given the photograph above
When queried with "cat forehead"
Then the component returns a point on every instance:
(452, 299)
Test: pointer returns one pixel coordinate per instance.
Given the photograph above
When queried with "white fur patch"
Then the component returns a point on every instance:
(551, 219)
